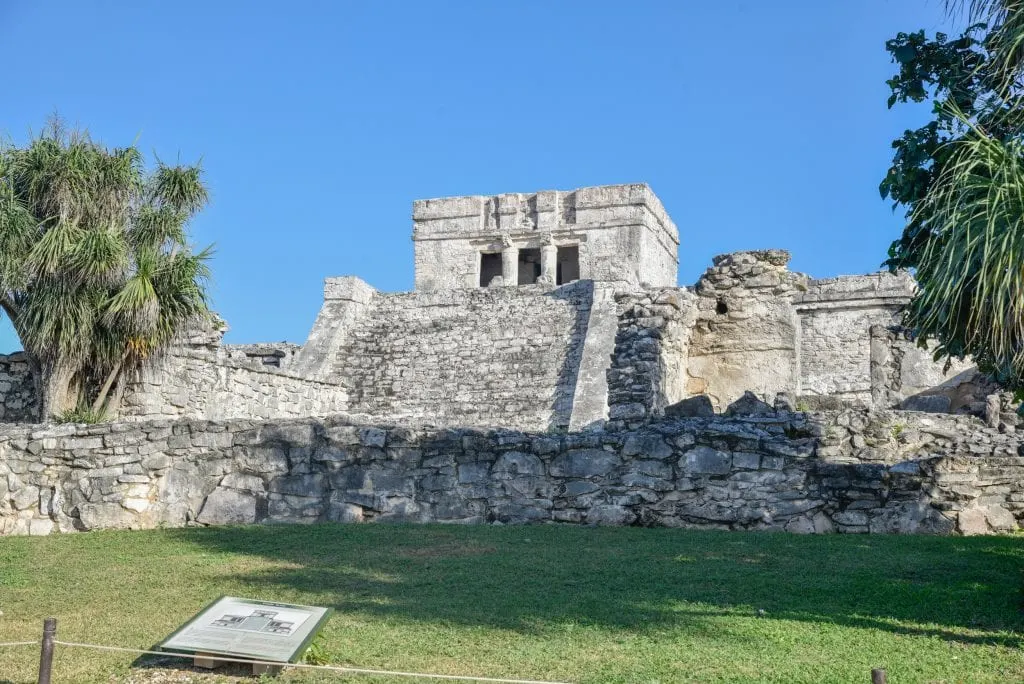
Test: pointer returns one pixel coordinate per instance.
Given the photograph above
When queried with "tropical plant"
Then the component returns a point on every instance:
(96, 271)
(961, 179)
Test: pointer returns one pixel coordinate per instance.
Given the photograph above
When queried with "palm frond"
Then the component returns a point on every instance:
(971, 272)
(180, 187)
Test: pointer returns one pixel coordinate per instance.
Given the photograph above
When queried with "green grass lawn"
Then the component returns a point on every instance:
(545, 602)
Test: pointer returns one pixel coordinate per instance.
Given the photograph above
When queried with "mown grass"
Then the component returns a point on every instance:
(545, 602)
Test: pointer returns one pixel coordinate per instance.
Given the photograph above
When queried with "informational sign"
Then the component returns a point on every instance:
(239, 627)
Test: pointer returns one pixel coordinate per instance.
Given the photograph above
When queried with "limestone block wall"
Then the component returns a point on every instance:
(18, 401)
(472, 357)
(850, 471)
(746, 334)
(191, 383)
(836, 315)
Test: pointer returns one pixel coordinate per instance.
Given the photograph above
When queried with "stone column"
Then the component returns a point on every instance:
(510, 265)
(548, 262)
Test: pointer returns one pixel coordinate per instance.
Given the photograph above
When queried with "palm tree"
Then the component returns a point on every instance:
(967, 249)
(96, 273)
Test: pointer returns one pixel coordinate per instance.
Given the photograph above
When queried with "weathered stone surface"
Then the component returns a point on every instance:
(514, 463)
(344, 512)
(748, 404)
(703, 460)
(985, 519)
(927, 403)
(105, 516)
(850, 471)
(646, 445)
(228, 507)
(695, 407)
(243, 481)
(609, 515)
(584, 463)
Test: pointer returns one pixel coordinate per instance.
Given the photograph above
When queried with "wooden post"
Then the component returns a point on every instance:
(206, 660)
(46, 650)
(878, 676)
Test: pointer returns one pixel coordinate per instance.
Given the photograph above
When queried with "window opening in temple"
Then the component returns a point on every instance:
(529, 266)
(721, 309)
(490, 266)
(567, 264)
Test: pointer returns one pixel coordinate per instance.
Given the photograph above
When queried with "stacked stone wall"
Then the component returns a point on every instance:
(648, 367)
(851, 471)
(836, 315)
(198, 384)
(478, 357)
(18, 402)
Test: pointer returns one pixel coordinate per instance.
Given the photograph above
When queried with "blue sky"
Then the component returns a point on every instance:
(759, 124)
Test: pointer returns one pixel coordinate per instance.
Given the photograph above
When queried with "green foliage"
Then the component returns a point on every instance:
(82, 414)
(96, 272)
(317, 653)
(960, 179)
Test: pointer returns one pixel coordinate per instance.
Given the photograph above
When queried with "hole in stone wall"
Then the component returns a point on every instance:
(490, 266)
(567, 265)
(529, 266)
(721, 309)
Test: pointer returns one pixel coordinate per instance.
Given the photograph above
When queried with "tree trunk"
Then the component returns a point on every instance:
(55, 392)
(114, 401)
(115, 373)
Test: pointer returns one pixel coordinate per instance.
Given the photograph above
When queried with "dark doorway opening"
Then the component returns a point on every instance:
(529, 266)
(490, 266)
(567, 265)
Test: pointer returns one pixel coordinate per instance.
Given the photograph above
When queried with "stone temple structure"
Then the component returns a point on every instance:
(547, 367)
(606, 234)
(526, 314)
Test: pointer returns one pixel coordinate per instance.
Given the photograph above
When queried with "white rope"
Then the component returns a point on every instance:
(19, 643)
(333, 668)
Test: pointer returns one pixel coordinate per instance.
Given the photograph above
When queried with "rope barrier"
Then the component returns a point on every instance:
(332, 668)
(18, 643)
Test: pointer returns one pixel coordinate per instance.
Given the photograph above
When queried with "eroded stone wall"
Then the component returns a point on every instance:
(17, 389)
(850, 471)
(904, 374)
(648, 368)
(191, 384)
(541, 357)
(746, 335)
(836, 315)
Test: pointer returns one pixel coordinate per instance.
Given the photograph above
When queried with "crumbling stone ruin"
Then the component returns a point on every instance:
(531, 311)
(547, 366)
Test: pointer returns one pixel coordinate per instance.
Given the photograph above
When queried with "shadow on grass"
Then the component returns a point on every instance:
(546, 577)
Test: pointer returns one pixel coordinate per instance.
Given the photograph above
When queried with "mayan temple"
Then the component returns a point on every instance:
(548, 366)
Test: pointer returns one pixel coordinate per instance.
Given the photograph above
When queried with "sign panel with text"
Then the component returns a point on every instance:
(261, 630)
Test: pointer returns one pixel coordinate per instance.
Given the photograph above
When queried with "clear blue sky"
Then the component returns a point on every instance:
(759, 124)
